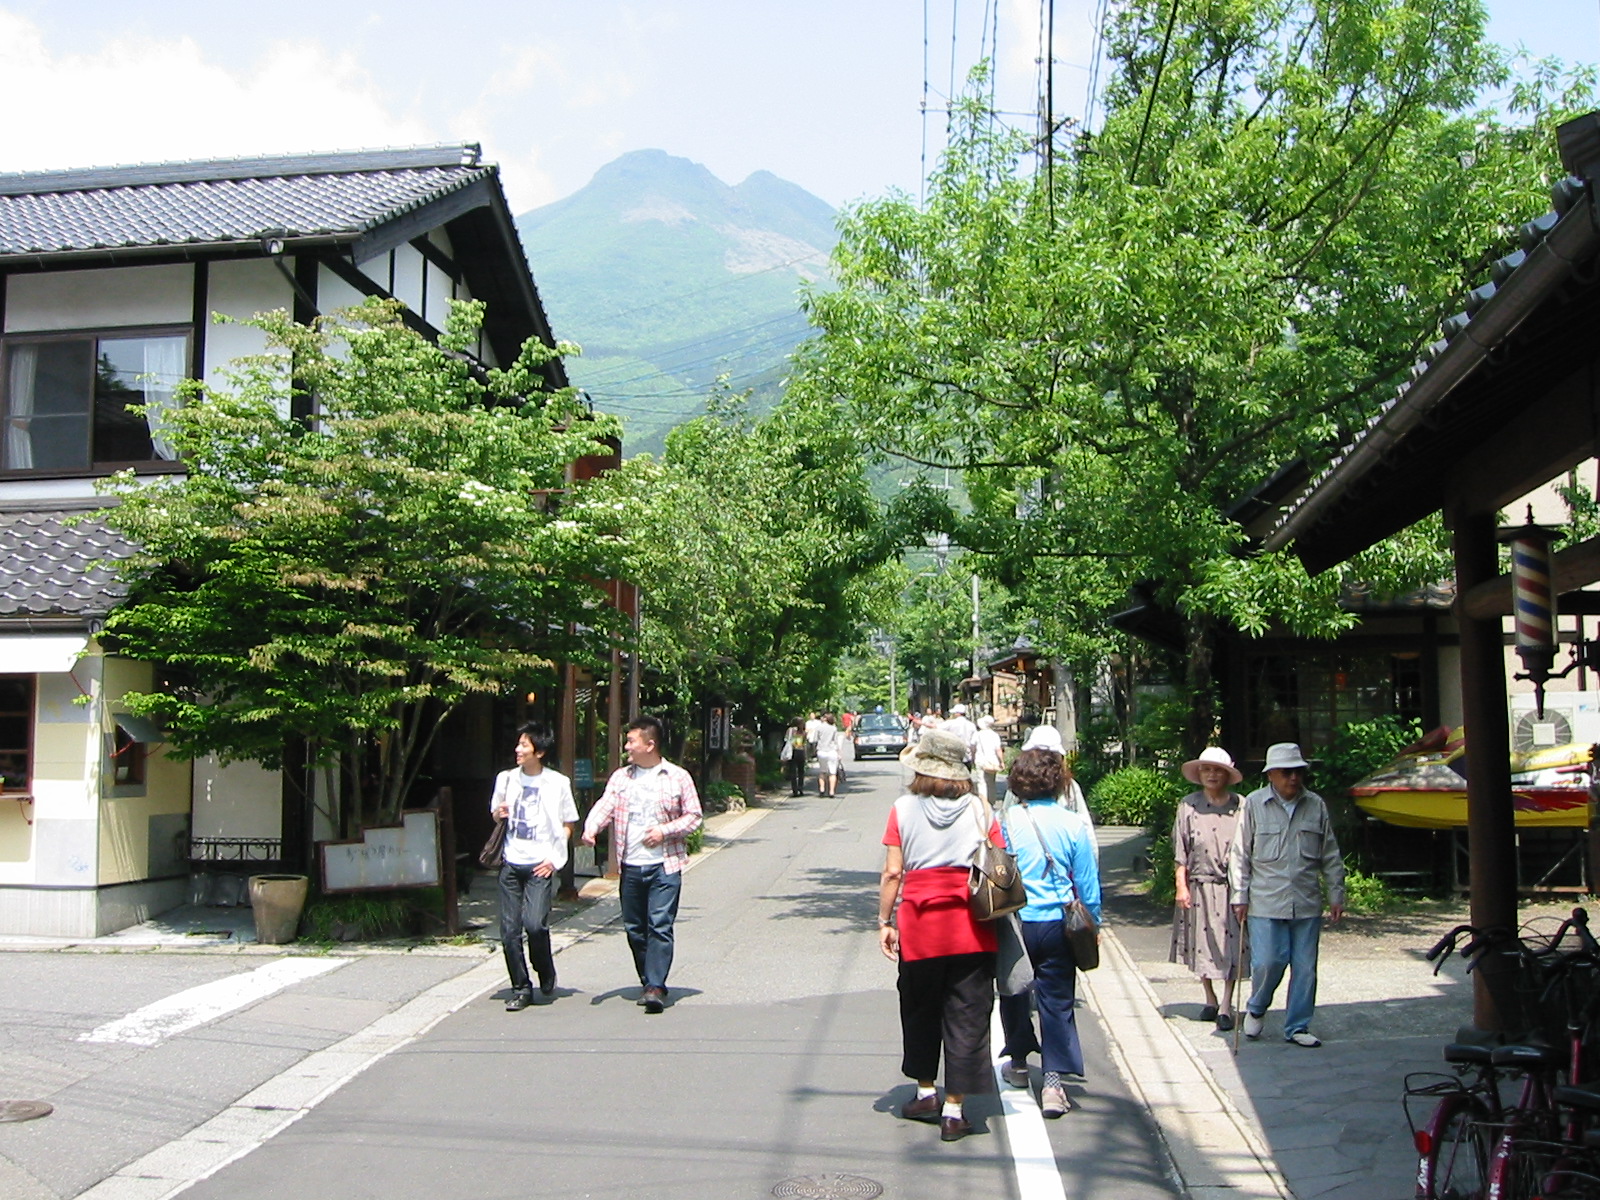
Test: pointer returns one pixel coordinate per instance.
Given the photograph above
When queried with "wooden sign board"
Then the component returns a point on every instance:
(385, 856)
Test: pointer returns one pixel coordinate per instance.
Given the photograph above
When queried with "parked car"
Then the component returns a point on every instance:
(878, 733)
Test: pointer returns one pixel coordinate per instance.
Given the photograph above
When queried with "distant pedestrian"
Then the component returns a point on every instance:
(793, 756)
(1056, 857)
(986, 751)
(537, 806)
(946, 959)
(1283, 851)
(962, 727)
(829, 740)
(1205, 931)
(651, 808)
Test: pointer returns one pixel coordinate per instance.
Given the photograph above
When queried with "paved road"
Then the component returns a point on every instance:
(777, 1058)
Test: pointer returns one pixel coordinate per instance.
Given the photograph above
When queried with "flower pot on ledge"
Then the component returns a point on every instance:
(277, 902)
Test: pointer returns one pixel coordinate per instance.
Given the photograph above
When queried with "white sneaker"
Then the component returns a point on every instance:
(1253, 1026)
(1303, 1038)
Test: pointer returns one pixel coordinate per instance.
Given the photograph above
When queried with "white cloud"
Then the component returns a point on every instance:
(144, 99)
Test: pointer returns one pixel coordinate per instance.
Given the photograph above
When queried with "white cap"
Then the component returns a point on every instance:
(1044, 737)
(959, 710)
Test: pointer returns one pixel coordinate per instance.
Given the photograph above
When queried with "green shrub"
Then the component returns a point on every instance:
(1365, 893)
(717, 794)
(356, 917)
(769, 769)
(1133, 796)
(697, 839)
(1358, 749)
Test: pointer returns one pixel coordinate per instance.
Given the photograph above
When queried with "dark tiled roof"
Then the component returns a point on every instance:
(58, 564)
(243, 200)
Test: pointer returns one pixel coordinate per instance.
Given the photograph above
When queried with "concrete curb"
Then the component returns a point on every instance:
(1213, 1150)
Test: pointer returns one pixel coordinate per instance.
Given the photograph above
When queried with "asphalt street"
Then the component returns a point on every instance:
(776, 1060)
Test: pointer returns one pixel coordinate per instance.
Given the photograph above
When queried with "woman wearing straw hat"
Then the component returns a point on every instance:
(1205, 931)
(946, 958)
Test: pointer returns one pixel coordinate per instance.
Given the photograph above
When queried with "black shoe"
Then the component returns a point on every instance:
(519, 1001)
(1208, 1013)
(1224, 1022)
(654, 999)
(547, 983)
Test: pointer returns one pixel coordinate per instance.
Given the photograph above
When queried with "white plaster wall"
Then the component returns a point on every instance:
(240, 290)
(334, 293)
(162, 295)
(1450, 714)
(66, 781)
(408, 270)
(48, 491)
(240, 800)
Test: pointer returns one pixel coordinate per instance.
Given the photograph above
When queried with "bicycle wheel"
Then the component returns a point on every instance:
(1457, 1167)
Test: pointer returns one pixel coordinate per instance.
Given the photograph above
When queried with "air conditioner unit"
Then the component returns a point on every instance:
(1534, 732)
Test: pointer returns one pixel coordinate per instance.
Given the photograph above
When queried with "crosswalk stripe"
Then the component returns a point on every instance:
(154, 1023)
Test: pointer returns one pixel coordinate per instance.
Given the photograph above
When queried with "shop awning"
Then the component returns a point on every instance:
(41, 653)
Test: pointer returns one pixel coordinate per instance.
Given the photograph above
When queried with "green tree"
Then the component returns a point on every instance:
(352, 577)
(1284, 200)
(756, 546)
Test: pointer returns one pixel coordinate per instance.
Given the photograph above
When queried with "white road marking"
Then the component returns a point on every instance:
(154, 1023)
(1038, 1175)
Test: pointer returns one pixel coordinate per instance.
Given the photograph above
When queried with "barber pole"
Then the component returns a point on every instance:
(1533, 602)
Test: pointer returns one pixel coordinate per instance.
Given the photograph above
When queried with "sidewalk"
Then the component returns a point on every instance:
(193, 928)
(1278, 1120)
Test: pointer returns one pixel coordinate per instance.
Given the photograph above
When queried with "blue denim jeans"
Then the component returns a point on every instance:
(525, 907)
(1055, 987)
(1275, 944)
(649, 907)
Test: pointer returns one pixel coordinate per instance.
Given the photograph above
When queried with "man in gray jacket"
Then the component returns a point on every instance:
(1282, 852)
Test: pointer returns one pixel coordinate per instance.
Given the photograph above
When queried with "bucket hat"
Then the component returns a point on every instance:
(1211, 756)
(960, 710)
(1284, 756)
(1045, 737)
(940, 755)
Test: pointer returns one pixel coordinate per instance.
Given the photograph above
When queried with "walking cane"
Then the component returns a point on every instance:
(1238, 971)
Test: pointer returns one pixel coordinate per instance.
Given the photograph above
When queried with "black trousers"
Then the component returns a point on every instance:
(797, 773)
(944, 1005)
(525, 908)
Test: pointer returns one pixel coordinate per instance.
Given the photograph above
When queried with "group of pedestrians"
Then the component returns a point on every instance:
(948, 960)
(1255, 865)
(650, 807)
(821, 736)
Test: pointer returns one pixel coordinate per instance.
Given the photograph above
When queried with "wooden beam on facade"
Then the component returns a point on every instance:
(1570, 569)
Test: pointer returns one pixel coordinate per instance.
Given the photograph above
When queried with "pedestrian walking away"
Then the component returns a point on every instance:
(1283, 852)
(793, 756)
(986, 752)
(651, 808)
(946, 959)
(536, 803)
(962, 727)
(1206, 935)
(829, 745)
(1056, 857)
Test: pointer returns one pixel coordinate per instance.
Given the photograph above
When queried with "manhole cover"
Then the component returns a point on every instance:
(829, 1187)
(27, 1110)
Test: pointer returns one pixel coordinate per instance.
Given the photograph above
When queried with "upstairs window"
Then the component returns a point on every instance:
(66, 399)
(16, 728)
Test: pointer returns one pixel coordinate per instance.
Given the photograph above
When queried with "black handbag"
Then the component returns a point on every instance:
(1077, 922)
(493, 854)
(994, 885)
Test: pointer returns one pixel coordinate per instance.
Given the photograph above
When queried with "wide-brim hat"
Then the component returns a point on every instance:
(1211, 756)
(1284, 756)
(940, 755)
(1045, 737)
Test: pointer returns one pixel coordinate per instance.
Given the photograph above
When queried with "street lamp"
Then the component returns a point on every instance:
(884, 644)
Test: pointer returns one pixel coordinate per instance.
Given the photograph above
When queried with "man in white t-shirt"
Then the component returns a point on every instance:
(962, 727)
(536, 802)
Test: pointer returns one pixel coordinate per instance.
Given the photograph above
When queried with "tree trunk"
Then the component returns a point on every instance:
(1066, 695)
(1200, 644)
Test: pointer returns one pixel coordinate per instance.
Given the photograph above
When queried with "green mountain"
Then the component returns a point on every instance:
(669, 279)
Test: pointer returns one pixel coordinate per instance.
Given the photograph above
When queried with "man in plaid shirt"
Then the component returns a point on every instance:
(652, 808)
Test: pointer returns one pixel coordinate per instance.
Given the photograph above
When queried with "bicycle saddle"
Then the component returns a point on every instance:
(1459, 1052)
(1576, 1096)
(1526, 1056)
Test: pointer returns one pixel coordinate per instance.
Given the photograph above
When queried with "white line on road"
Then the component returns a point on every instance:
(154, 1023)
(1038, 1176)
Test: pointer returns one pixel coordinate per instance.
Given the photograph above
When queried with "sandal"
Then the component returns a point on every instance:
(1224, 1022)
(1208, 1013)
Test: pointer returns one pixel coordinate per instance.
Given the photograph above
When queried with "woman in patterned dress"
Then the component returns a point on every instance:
(1205, 933)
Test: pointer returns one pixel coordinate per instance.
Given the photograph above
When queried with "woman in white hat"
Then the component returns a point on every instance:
(1205, 932)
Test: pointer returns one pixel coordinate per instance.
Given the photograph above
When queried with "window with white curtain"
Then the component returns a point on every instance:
(67, 399)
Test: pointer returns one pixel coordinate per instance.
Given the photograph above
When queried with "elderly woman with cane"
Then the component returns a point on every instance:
(946, 958)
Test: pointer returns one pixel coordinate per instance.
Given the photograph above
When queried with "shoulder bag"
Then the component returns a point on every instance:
(994, 885)
(493, 854)
(1077, 922)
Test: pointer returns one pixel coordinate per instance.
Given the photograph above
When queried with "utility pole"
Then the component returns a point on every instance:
(976, 634)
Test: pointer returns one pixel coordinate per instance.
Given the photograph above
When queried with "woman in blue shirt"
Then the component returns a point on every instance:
(1055, 854)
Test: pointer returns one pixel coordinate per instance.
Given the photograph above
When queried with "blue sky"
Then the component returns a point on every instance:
(826, 93)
